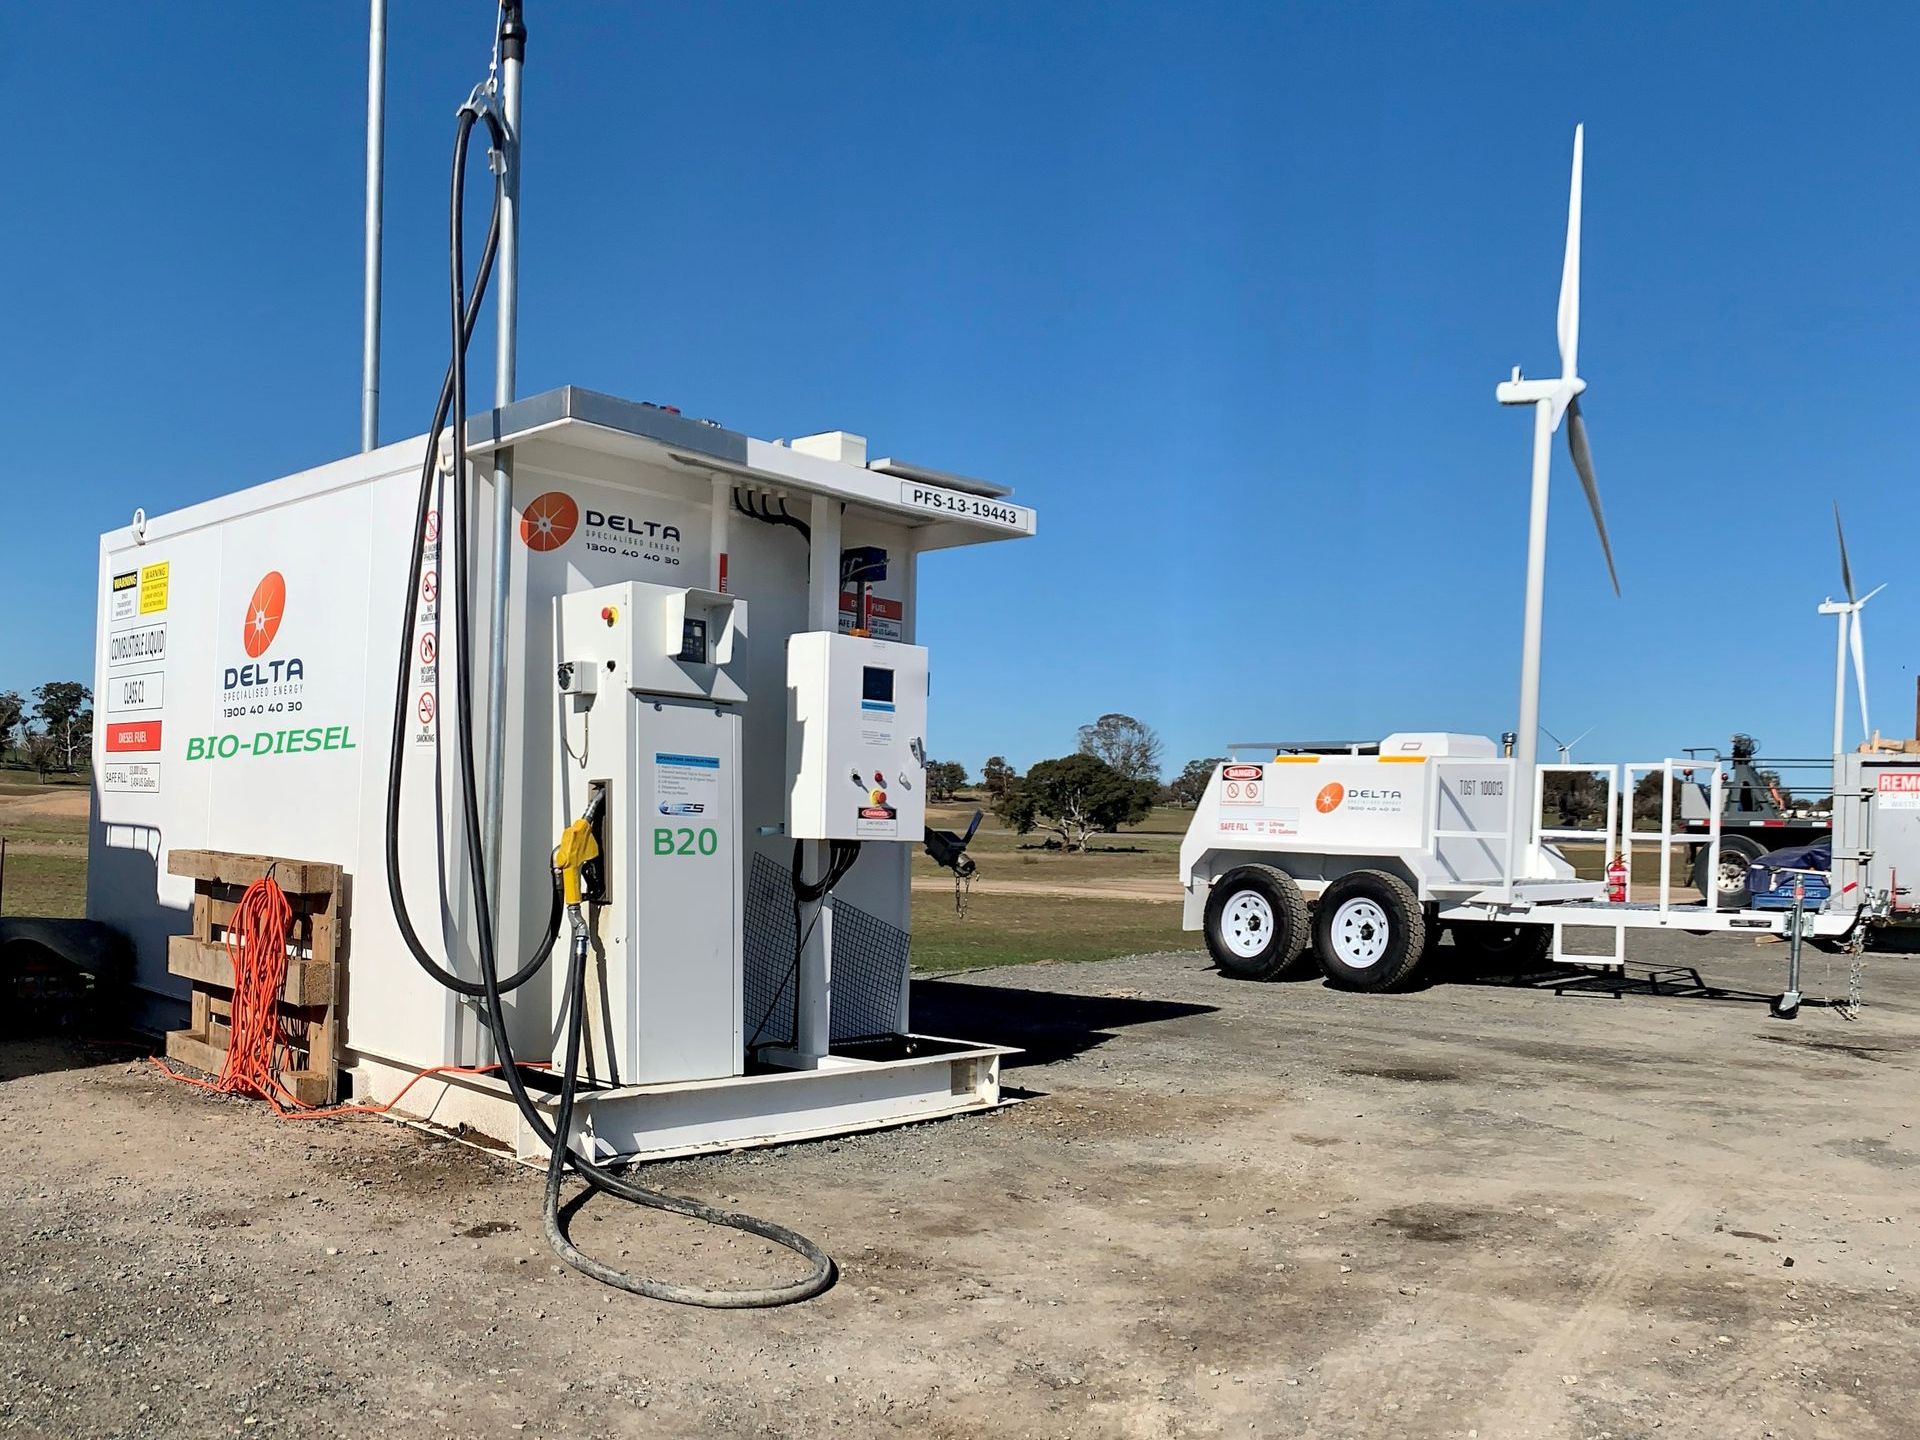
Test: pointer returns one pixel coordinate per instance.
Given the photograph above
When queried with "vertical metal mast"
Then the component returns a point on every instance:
(376, 164)
(513, 53)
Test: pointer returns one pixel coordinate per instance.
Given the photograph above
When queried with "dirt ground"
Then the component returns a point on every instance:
(70, 803)
(1473, 1210)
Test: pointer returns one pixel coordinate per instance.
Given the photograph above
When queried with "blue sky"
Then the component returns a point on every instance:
(1222, 290)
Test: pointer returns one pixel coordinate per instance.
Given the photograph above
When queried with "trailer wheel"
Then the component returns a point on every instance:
(1369, 931)
(1256, 923)
(1492, 943)
(1737, 852)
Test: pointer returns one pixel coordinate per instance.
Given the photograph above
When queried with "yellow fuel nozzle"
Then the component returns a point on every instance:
(577, 846)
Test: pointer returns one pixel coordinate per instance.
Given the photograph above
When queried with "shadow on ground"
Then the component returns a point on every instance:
(1045, 1024)
(22, 1055)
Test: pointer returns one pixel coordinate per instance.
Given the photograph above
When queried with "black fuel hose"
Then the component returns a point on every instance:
(403, 687)
(490, 987)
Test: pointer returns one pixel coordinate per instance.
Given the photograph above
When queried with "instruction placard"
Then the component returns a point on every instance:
(133, 777)
(686, 784)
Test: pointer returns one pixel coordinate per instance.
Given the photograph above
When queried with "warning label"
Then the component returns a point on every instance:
(135, 735)
(123, 596)
(1243, 785)
(133, 593)
(1898, 790)
(131, 647)
(143, 691)
(154, 582)
(426, 620)
(886, 619)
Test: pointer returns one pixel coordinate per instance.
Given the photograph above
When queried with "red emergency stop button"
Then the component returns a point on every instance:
(609, 614)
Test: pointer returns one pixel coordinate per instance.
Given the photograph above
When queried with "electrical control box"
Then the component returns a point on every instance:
(856, 738)
(652, 639)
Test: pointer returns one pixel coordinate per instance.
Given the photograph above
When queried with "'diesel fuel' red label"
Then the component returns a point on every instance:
(133, 735)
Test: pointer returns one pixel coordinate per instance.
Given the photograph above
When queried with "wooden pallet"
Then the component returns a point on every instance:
(310, 999)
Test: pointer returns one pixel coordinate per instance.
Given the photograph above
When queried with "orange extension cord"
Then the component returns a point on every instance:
(257, 1048)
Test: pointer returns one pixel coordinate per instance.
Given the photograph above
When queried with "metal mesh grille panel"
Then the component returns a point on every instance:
(768, 959)
(869, 971)
(869, 964)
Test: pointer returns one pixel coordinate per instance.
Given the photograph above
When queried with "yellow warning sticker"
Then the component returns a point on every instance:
(153, 587)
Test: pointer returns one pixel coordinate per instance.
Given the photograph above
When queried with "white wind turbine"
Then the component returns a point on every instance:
(1849, 612)
(1566, 746)
(1552, 400)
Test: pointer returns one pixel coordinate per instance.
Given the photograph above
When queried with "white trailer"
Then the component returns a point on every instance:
(1357, 855)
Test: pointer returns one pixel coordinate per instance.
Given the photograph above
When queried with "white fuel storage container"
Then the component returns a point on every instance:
(246, 666)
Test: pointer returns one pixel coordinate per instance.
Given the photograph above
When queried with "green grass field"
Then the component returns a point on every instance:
(1147, 851)
(54, 885)
(1021, 929)
(45, 829)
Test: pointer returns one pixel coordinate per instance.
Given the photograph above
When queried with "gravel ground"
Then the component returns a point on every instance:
(1224, 1209)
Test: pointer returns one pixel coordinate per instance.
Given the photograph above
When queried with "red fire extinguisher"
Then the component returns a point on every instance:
(1617, 881)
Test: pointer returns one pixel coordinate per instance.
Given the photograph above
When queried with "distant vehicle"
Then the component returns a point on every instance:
(1757, 816)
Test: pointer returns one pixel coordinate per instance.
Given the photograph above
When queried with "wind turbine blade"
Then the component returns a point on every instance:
(1860, 670)
(1570, 270)
(1583, 462)
(1846, 570)
(1871, 593)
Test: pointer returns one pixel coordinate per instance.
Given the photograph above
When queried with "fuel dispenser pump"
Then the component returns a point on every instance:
(651, 713)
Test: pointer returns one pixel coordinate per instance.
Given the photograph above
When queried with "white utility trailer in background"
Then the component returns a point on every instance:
(1361, 853)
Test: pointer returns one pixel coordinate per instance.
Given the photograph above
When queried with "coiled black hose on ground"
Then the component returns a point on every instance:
(489, 989)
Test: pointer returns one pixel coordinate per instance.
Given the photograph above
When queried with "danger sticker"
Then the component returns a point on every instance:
(1243, 792)
(1243, 772)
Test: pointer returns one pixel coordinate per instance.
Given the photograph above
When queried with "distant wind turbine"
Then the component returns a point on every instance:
(1566, 746)
(1849, 639)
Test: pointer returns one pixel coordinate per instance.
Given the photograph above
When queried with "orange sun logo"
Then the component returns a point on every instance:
(1329, 798)
(264, 610)
(549, 521)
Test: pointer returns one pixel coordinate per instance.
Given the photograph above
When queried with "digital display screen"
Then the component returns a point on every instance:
(693, 642)
(876, 683)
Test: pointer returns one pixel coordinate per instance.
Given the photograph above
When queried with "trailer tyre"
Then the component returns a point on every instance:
(1256, 923)
(1369, 931)
(1737, 852)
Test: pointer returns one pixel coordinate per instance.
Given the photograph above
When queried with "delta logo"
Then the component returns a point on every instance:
(551, 520)
(1329, 798)
(262, 678)
(264, 609)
